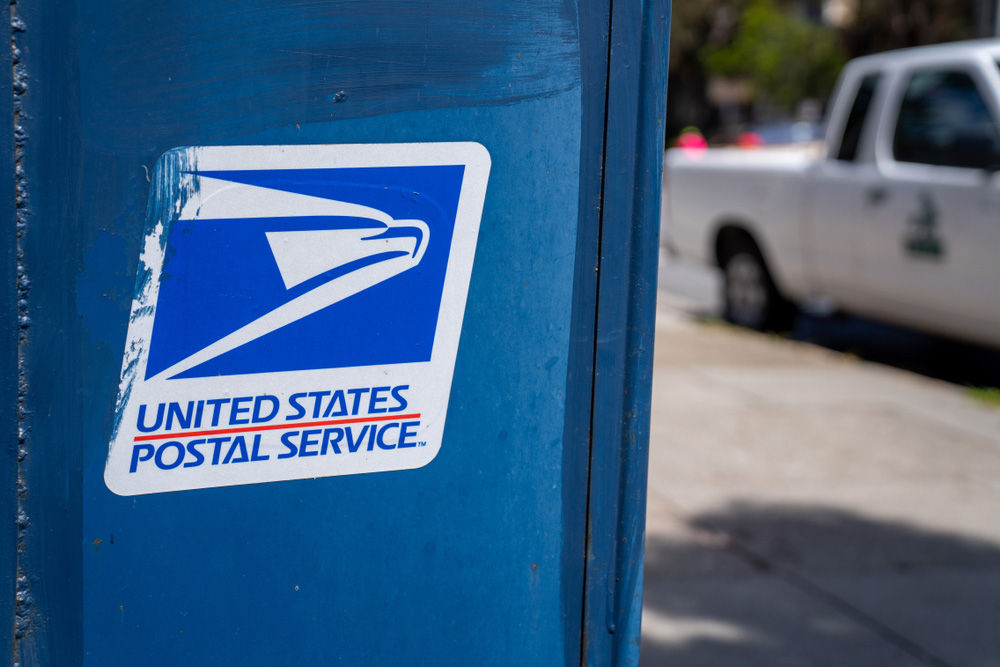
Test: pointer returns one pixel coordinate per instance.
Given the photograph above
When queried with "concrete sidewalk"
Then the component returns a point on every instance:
(807, 508)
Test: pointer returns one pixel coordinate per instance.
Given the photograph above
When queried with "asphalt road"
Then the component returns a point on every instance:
(811, 506)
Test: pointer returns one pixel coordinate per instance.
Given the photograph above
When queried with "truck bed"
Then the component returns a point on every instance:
(761, 190)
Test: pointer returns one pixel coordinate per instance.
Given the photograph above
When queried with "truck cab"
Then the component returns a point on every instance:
(903, 221)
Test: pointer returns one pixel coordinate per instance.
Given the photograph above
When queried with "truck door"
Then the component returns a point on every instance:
(932, 231)
(833, 242)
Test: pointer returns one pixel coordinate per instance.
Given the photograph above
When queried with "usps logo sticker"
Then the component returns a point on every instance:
(297, 313)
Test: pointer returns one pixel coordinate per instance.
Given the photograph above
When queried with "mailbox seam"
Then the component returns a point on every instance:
(588, 598)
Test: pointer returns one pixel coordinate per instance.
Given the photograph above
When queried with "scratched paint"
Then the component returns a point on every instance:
(193, 66)
(48, 602)
(530, 230)
(437, 527)
(164, 207)
(367, 571)
(25, 613)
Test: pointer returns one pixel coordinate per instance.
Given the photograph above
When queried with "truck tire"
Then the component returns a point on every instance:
(751, 298)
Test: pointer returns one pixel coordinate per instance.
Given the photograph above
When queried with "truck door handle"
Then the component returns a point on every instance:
(875, 196)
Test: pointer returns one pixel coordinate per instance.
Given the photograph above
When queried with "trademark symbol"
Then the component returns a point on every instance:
(422, 443)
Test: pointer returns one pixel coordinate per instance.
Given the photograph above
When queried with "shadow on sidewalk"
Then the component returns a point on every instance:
(950, 360)
(790, 585)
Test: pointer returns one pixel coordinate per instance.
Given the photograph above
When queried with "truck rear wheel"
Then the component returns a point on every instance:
(751, 298)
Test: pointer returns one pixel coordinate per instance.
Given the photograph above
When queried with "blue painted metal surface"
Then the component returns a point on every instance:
(625, 327)
(486, 555)
(8, 360)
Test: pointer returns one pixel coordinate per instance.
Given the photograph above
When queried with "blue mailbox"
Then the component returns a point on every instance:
(327, 332)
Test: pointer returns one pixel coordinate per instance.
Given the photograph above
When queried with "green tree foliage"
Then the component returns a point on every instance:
(694, 23)
(882, 25)
(792, 53)
(783, 57)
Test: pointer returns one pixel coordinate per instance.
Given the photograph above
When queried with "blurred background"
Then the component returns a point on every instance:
(829, 493)
(767, 65)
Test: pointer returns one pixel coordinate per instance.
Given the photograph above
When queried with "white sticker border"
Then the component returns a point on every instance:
(437, 373)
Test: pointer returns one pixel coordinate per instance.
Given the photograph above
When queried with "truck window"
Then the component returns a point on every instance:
(944, 121)
(856, 118)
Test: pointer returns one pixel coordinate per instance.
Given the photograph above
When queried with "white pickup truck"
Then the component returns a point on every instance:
(896, 217)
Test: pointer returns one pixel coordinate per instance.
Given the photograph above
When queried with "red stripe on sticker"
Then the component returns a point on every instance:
(273, 427)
